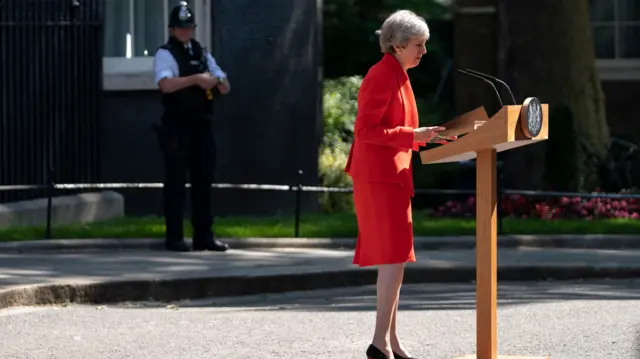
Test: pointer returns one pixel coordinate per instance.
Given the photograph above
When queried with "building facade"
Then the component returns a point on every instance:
(267, 128)
(91, 110)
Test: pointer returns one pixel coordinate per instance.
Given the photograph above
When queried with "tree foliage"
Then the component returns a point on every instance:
(351, 45)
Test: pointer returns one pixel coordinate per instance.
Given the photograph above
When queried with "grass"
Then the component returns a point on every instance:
(329, 225)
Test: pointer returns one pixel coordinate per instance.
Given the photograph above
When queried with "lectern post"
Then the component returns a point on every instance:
(486, 255)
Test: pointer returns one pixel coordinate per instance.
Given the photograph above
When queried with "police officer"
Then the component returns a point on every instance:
(189, 80)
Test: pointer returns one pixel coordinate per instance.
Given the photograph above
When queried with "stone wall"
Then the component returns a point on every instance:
(80, 208)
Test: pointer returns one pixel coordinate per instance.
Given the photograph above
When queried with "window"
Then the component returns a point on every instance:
(134, 29)
(616, 28)
(616, 34)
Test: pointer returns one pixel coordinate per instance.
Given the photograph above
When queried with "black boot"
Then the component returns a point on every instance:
(210, 245)
(176, 246)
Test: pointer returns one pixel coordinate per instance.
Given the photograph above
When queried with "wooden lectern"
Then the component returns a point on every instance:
(511, 127)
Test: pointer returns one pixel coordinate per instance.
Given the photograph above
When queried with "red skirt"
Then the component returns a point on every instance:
(385, 225)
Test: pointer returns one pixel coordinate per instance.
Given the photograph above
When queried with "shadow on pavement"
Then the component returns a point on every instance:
(424, 297)
(43, 268)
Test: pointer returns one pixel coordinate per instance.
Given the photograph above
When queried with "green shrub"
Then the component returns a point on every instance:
(340, 103)
(332, 163)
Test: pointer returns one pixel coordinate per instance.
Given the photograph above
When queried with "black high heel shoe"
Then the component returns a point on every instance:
(398, 356)
(375, 353)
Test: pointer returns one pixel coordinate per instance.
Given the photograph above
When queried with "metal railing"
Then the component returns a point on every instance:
(298, 188)
(50, 90)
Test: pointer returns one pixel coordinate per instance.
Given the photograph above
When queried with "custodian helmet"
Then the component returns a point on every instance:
(182, 16)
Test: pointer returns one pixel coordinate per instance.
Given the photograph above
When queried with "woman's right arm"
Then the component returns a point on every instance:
(376, 92)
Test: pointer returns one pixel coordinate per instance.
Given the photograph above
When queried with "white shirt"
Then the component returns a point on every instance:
(165, 66)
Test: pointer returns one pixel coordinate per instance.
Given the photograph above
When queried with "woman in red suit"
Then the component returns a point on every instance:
(385, 134)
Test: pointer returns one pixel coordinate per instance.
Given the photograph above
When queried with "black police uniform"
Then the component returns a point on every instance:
(187, 142)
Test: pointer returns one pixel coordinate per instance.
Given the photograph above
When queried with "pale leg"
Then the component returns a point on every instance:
(396, 345)
(388, 288)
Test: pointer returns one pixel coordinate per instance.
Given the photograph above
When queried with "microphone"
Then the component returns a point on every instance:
(504, 84)
(485, 80)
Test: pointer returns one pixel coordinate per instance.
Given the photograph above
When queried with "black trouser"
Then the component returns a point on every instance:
(190, 148)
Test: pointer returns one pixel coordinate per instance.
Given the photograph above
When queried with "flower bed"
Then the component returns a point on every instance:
(550, 208)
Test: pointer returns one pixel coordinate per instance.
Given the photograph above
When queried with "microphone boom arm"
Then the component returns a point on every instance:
(513, 99)
(485, 80)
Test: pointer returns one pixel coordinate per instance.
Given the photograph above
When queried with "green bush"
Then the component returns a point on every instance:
(340, 103)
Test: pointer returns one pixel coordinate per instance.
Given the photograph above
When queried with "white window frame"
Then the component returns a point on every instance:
(136, 73)
(618, 68)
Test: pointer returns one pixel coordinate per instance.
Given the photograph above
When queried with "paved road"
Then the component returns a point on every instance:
(79, 267)
(569, 320)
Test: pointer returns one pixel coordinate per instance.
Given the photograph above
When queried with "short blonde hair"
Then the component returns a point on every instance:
(399, 28)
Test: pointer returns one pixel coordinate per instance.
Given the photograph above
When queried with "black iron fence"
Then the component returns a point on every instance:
(298, 188)
(50, 91)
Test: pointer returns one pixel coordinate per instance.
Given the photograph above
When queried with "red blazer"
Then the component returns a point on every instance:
(387, 115)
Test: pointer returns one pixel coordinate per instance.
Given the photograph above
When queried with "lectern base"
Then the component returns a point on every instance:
(504, 357)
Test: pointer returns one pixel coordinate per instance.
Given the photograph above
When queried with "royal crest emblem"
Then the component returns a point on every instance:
(531, 117)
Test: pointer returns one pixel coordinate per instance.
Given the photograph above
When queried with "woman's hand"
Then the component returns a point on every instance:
(426, 134)
(444, 140)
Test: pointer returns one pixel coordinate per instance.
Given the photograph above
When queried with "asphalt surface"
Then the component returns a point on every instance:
(77, 267)
(578, 320)
(593, 241)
